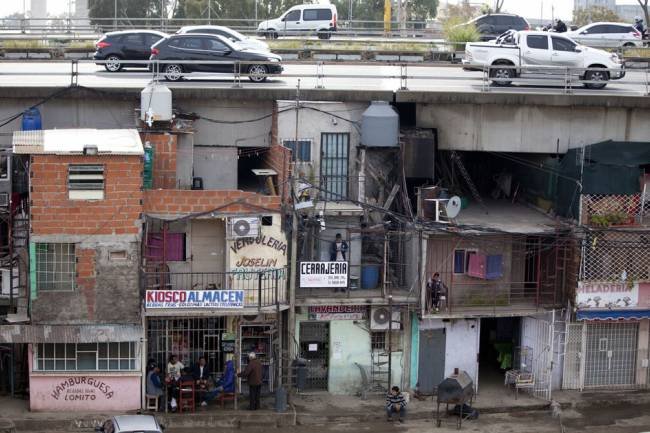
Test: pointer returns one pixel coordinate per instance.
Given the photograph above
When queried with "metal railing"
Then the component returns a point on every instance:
(604, 210)
(261, 289)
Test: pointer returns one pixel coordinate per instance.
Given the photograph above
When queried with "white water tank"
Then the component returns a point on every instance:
(156, 101)
(380, 125)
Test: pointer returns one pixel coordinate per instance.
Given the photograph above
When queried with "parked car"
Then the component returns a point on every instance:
(131, 424)
(195, 46)
(607, 35)
(302, 19)
(118, 47)
(492, 25)
(537, 51)
(230, 34)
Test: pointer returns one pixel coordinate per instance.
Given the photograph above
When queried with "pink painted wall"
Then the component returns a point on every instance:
(84, 392)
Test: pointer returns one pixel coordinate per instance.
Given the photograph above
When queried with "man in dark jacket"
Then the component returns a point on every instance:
(224, 385)
(253, 376)
(338, 249)
(560, 27)
(201, 374)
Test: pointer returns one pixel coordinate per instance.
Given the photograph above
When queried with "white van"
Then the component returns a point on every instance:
(302, 19)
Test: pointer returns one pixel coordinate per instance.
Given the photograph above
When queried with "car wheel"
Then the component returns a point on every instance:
(503, 73)
(258, 73)
(629, 45)
(324, 35)
(271, 34)
(113, 63)
(596, 75)
(173, 72)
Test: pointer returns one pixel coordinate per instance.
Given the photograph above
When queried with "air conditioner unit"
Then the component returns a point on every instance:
(244, 227)
(379, 318)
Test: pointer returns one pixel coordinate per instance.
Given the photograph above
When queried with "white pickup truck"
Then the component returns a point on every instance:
(531, 53)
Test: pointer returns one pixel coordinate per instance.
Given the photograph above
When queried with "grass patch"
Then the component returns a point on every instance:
(455, 31)
(334, 45)
(643, 53)
(24, 44)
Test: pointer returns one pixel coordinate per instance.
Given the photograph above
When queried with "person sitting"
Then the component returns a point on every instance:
(201, 374)
(395, 403)
(174, 369)
(225, 384)
(155, 386)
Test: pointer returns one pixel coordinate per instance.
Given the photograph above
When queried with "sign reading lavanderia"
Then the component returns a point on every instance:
(323, 274)
(194, 299)
(338, 312)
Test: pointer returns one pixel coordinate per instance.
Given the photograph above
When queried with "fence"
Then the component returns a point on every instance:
(261, 289)
(610, 209)
(615, 255)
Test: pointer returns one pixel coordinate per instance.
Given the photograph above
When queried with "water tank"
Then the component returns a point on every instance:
(32, 120)
(156, 100)
(380, 125)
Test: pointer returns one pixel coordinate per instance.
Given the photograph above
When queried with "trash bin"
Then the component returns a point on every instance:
(370, 276)
(300, 369)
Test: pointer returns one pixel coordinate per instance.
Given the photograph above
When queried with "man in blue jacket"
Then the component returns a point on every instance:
(225, 384)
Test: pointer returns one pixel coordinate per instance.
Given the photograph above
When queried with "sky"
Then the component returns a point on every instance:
(527, 8)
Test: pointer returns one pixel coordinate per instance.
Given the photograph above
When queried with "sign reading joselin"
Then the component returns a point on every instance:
(323, 274)
(194, 299)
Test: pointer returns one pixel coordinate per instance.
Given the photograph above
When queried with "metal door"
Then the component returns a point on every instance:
(610, 354)
(572, 371)
(208, 249)
(334, 153)
(431, 364)
(314, 347)
(539, 338)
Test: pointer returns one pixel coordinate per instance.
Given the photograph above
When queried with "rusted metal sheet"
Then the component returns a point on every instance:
(69, 334)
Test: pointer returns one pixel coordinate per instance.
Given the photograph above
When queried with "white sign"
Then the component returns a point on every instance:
(607, 294)
(194, 299)
(313, 347)
(323, 274)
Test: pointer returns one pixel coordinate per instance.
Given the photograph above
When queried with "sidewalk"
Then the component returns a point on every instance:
(308, 409)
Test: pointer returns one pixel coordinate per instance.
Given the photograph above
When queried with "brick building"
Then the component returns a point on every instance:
(85, 217)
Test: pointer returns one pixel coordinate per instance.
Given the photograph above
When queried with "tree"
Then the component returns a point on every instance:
(498, 4)
(592, 14)
(103, 12)
(458, 13)
(644, 6)
(422, 10)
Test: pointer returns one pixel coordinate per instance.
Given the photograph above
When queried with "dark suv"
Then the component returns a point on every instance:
(492, 25)
(116, 47)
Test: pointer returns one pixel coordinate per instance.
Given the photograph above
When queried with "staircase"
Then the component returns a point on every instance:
(379, 371)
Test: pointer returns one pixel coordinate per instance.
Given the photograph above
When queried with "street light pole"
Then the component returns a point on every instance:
(115, 15)
(255, 12)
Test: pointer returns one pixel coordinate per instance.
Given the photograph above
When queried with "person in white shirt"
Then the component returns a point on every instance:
(174, 368)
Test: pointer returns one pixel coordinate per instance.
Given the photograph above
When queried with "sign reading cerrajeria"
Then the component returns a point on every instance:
(194, 299)
(81, 388)
(323, 274)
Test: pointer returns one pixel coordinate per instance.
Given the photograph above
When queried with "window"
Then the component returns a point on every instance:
(151, 39)
(503, 20)
(174, 244)
(292, 16)
(215, 45)
(379, 340)
(134, 39)
(86, 356)
(494, 267)
(303, 151)
(55, 267)
(459, 262)
(334, 165)
(561, 44)
(317, 15)
(597, 30)
(85, 182)
(538, 42)
(191, 43)
(4, 167)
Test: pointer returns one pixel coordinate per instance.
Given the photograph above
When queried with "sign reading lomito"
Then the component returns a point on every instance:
(323, 274)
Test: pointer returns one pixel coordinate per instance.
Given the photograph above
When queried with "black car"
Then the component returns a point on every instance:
(492, 25)
(193, 47)
(116, 47)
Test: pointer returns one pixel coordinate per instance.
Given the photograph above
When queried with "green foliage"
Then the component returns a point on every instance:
(455, 30)
(458, 13)
(593, 14)
(606, 220)
(101, 11)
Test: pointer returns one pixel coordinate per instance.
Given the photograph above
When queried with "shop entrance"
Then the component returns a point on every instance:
(187, 338)
(499, 340)
(314, 347)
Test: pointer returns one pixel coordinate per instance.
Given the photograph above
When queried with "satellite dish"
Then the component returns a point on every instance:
(453, 207)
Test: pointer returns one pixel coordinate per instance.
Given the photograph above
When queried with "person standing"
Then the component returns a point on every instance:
(253, 375)
(395, 403)
(338, 249)
(436, 291)
(560, 27)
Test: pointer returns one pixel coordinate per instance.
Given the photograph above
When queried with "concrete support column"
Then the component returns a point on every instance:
(643, 352)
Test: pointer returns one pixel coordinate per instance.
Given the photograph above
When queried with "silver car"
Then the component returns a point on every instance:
(131, 424)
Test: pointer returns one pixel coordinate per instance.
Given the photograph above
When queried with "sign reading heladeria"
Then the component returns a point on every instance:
(323, 274)
(194, 299)
(608, 294)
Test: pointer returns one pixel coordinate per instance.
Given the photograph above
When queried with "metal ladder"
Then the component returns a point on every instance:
(463, 171)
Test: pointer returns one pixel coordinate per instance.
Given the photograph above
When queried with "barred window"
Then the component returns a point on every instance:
(85, 182)
(55, 266)
(86, 356)
(379, 340)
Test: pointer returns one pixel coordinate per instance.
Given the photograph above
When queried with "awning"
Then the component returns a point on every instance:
(69, 333)
(613, 314)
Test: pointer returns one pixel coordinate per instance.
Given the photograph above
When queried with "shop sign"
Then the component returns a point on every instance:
(608, 294)
(194, 299)
(81, 388)
(323, 274)
(338, 312)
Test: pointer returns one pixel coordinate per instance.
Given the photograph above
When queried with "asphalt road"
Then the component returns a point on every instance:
(347, 76)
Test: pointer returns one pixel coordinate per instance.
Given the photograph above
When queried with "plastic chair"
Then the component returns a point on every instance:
(226, 396)
(186, 396)
(152, 402)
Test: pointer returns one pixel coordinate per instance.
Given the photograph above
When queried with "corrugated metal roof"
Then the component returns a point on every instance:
(69, 333)
(73, 141)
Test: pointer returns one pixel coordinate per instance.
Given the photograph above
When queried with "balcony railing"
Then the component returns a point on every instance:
(605, 210)
(261, 289)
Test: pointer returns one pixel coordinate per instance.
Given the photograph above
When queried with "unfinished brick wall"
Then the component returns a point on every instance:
(118, 213)
(196, 201)
(279, 159)
(164, 159)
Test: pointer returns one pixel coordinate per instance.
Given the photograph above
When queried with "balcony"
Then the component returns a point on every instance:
(259, 291)
(614, 210)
